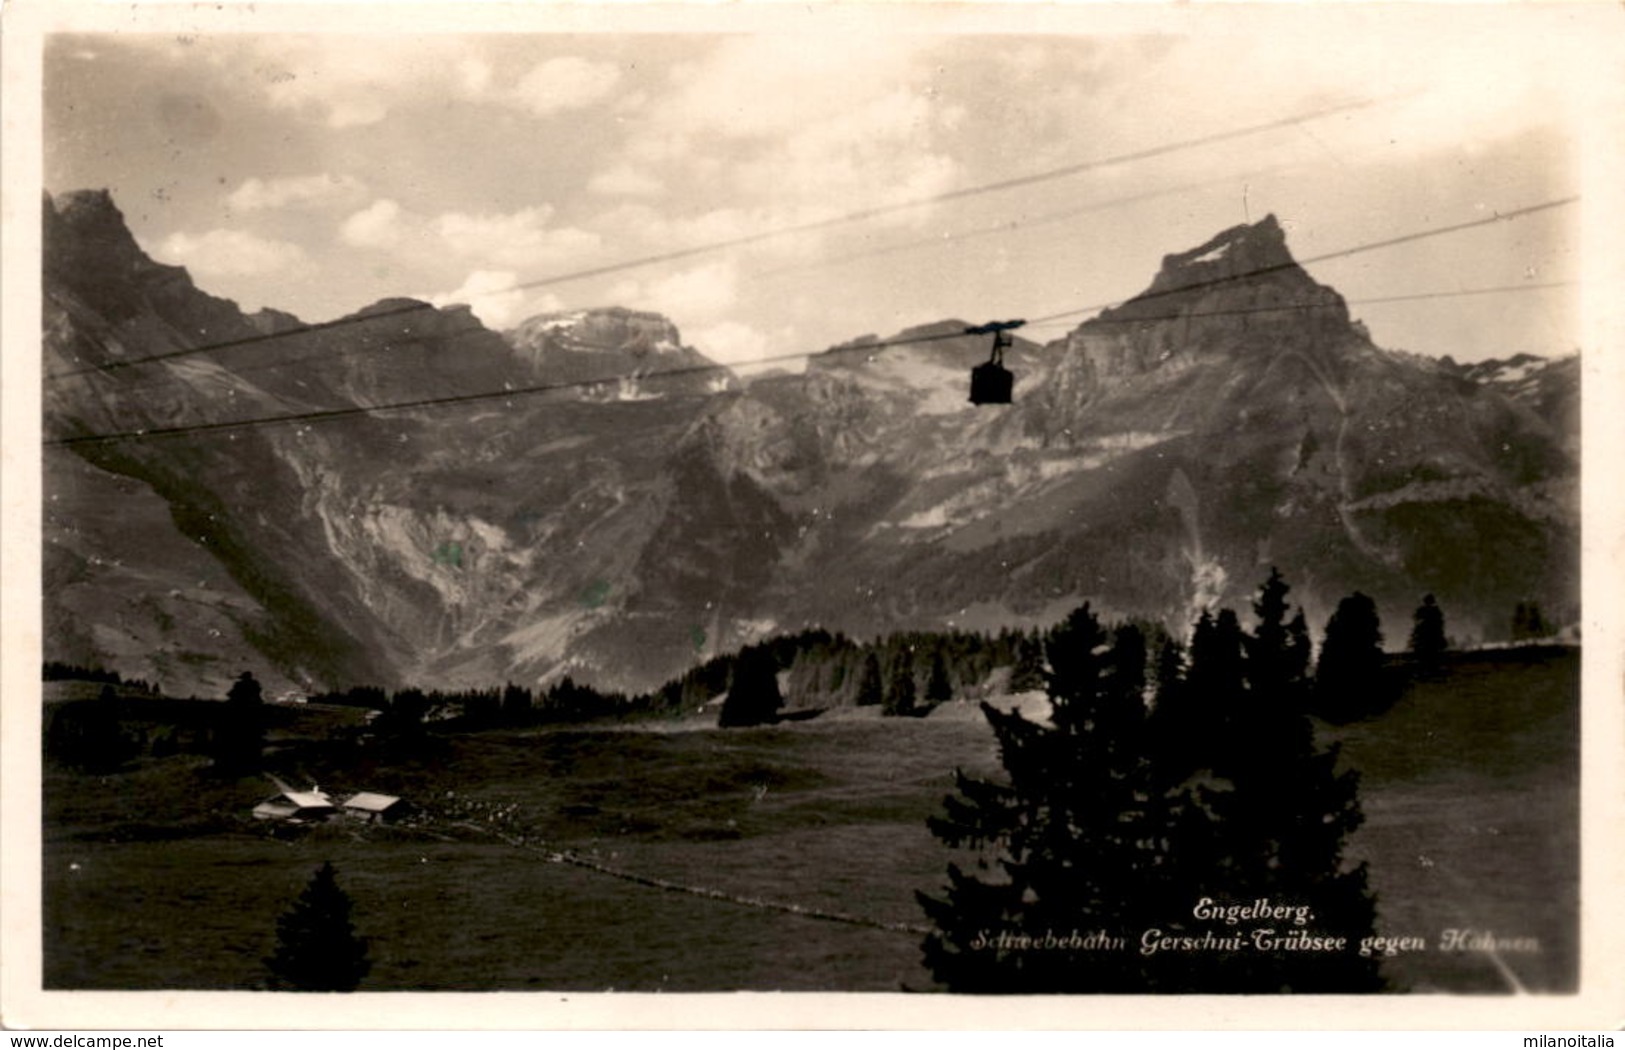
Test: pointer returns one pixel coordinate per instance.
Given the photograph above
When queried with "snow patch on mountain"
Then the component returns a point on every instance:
(561, 322)
(1213, 255)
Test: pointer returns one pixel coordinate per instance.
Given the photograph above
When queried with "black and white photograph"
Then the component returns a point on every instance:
(934, 504)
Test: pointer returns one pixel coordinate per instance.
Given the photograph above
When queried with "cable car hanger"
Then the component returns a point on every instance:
(991, 383)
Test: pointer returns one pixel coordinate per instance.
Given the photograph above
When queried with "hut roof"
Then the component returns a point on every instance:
(308, 799)
(302, 799)
(371, 801)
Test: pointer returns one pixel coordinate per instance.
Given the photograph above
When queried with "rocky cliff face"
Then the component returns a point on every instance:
(1161, 456)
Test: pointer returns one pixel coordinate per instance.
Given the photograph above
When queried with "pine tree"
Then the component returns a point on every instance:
(1279, 829)
(1299, 651)
(753, 696)
(870, 690)
(1202, 720)
(317, 947)
(1027, 673)
(1266, 719)
(900, 691)
(938, 689)
(1528, 622)
(1428, 641)
(1273, 661)
(1071, 840)
(1170, 676)
(516, 701)
(1348, 679)
(239, 738)
(1129, 656)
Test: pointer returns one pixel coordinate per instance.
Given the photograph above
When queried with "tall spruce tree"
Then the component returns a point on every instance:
(1348, 680)
(1069, 840)
(870, 689)
(317, 947)
(1280, 824)
(1273, 657)
(938, 689)
(753, 696)
(1261, 810)
(1428, 641)
(1528, 621)
(239, 735)
(1027, 672)
(901, 696)
(1170, 677)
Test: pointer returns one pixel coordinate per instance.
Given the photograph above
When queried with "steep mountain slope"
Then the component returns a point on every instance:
(386, 547)
(1156, 459)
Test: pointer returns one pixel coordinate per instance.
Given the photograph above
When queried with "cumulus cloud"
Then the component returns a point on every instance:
(495, 301)
(378, 225)
(562, 84)
(521, 239)
(350, 81)
(702, 301)
(231, 253)
(298, 191)
(738, 345)
(697, 296)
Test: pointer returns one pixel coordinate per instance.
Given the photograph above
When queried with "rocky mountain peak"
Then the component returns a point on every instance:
(84, 229)
(1241, 252)
(89, 251)
(609, 328)
(90, 213)
(617, 346)
(1238, 293)
(1246, 269)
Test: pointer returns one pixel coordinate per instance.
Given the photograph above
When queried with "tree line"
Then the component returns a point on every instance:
(58, 671)
(903, 674)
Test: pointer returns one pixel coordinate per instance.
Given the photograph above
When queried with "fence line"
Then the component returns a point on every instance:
(577, 860)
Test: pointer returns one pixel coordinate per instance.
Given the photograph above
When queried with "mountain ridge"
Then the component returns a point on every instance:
(1159, 457)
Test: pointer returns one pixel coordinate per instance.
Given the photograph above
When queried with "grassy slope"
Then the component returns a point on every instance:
(1476, 775)
(1471, 794)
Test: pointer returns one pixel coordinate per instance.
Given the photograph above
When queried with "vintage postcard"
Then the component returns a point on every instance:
(961, 515)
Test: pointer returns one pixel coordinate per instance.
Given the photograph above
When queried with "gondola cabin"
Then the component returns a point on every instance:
(991, 383)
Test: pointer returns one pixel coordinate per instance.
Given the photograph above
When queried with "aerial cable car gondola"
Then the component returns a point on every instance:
(991, 383)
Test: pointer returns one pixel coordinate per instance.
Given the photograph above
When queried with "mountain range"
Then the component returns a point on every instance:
(552, 504)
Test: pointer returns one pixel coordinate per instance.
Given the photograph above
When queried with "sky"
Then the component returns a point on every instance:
(319, 172)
